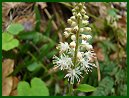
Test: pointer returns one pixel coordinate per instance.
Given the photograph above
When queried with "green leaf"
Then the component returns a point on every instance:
(85, 88)
(23, 87)
(33, 66)
(105, 87)
(112, 12)
(8, 42)
(15, 28)
(37, 88)
(34, 36)
(6, 36)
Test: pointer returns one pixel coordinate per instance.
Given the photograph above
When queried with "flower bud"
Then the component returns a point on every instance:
(73, 23)
(73, 18)
(84, 7)
(75, 29)
(81, 30)
(73, 37)
(79, 15)
(69, 21)
(73, 44)
(88, 36)
(76, 8)
(66, 34)
(86, 17)
(85, 22)
(84, 37)
(79, 55)
(73, 10)
(89, 47)
(74, 13)
(79, 4)
(83, 11)
(68, 29)
(87, 29)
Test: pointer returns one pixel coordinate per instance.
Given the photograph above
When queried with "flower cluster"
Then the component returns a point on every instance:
(76, 56)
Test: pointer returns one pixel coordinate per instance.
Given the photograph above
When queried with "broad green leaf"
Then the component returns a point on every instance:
(85, 88)
(23, 87)
(8, 42)
(33, 66)
(37, 88)
(6, 37)
(15, 28)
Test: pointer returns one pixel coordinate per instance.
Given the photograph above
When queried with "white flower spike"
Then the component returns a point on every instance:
(75, 57)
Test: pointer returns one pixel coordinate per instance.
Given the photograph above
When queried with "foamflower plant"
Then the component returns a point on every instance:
(75, 57)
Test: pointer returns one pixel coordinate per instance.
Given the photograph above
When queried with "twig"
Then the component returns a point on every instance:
(98, 69)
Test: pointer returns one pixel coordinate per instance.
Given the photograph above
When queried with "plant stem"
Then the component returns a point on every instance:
(77, 43)
(71, 90)
(75, 54)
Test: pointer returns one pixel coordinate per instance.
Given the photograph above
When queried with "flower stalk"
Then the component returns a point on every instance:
(71, 90)
(77, 43)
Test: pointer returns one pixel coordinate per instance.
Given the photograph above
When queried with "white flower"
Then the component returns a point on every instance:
(74, 74)
(73, 37)
(86, 65)
(64, 62)
(86, 37)
(89, 55)
(71, 52)
(86, 17)
(66, 34)
(85, 22)
(87, 29)
(87, 45)
(79, 55)
(73, 44)
(63, 47)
